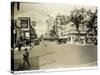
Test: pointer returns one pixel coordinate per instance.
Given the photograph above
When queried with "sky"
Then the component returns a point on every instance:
(39, 11)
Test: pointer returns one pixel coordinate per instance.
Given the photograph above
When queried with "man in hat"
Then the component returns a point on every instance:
(26, 57)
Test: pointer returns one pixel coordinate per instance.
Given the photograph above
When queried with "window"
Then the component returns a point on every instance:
(24, 23)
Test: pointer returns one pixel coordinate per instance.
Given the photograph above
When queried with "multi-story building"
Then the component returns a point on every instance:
(23, 27)
(49, 23)
(25, 30)
(67, 32)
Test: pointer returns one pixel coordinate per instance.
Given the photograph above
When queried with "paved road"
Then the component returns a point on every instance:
(51, 55)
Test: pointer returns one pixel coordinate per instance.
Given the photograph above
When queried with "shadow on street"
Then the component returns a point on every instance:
(34, 61)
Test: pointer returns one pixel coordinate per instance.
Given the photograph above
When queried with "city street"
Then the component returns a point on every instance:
(73, 27)
(50, 55)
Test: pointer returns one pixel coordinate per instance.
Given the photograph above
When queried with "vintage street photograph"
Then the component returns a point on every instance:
(48, 36)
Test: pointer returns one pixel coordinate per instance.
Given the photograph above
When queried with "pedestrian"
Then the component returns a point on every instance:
(45, 43)
(19, 46)
(26, 57)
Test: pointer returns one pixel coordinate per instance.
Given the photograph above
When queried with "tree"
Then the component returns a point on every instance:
(61, 19)
(77, 17)
(53, 33)
(92, 23)
(33, 33)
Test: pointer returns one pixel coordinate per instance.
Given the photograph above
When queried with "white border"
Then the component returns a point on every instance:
(55, 70)
(5, 37)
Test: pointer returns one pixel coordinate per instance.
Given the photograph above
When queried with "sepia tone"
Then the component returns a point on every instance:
(51, 36)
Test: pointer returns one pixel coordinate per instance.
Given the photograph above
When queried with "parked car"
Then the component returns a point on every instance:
(36, 42)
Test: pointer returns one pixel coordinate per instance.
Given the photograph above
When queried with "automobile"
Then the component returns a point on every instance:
(36, 42)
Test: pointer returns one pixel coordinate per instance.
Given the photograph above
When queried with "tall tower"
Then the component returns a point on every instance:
(49, 23)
